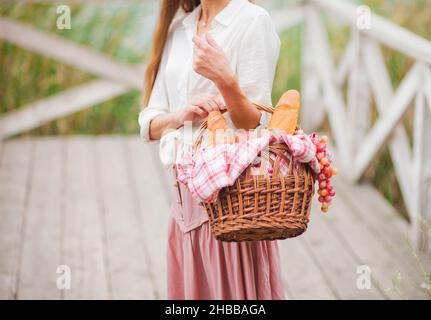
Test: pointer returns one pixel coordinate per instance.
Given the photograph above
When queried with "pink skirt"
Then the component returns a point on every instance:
(201, 267)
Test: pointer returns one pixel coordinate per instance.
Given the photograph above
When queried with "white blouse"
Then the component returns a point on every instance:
(248, 37)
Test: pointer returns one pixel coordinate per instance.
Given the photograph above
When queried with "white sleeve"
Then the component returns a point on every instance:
(158, 103)
(257, 61)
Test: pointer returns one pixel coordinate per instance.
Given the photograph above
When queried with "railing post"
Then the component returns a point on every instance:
(312, 109)
(332, 95)
(358, 96)
(421, 173)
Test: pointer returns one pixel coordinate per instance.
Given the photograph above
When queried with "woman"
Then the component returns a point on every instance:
(211, 55)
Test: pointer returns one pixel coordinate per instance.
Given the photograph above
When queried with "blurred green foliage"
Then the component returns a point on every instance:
(123, 31)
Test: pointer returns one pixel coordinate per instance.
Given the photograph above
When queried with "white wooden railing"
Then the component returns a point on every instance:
(361, 72)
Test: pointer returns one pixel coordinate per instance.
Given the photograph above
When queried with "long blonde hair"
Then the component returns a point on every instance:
(168, 10)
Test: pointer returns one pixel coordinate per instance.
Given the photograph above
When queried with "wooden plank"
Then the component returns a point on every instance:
(41, 251)
(381, 87)
(129, 274)
(84, 249)
(15, 172)
(386, 123)
(301, 274)
(387, 225)
(382, 30)
(370, 250)
(337, 262)
(150, 194)
(58, 106)
(70, 53)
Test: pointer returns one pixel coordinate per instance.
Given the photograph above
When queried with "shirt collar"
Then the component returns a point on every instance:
(224, 17)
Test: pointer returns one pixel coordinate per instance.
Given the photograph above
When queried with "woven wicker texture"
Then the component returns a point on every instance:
(263, 207)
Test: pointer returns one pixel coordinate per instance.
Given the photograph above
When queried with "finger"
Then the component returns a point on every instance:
(200, 43)
(207, 106)
(195, 40)
(197, 53)
(210, 40)
(213, 105)
(199, 111)
(220, 104)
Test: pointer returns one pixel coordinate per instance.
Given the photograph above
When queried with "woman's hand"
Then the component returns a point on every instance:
(198, 108)
(209, 59)
(211, 62)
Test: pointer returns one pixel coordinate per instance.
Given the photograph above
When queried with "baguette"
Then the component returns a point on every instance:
(286, 112)
(217, 128)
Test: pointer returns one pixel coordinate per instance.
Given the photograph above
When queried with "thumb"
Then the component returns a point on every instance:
(211, 40)
(219, 102)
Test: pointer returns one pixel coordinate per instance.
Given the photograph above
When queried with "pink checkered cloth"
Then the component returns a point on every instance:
(212, 168)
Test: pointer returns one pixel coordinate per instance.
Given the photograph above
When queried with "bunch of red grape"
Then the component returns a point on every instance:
(326, 189)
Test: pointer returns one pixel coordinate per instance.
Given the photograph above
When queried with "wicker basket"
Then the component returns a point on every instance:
(263, 207)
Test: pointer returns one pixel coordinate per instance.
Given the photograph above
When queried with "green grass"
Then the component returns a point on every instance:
(122, 31)
(110, 29)
(288, 74)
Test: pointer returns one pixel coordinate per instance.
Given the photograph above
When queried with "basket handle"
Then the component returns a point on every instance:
(204, 125)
